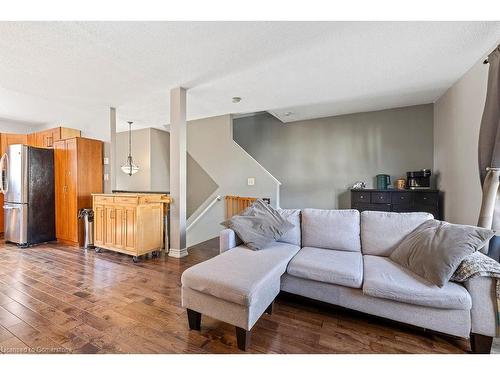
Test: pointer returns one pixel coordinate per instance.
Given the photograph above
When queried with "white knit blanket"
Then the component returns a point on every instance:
(475, 265)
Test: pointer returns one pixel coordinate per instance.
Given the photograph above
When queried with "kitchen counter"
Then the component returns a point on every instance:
(130, 223)
(140, 197)
(141, 192)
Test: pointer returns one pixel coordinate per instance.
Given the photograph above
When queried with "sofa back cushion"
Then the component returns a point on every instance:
(381, 232)
(292, 236)
(331, 229)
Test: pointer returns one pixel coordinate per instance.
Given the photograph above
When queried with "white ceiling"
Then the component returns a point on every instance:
(312, 69)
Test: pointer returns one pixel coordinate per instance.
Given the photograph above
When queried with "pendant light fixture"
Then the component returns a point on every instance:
(129, 167)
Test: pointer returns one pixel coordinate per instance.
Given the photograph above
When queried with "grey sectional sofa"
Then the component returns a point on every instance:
(340, 257)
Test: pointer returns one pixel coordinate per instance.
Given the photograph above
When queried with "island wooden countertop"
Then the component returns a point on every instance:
(142, 197)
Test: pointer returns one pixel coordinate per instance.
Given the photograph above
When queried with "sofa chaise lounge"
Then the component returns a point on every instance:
(340, 257)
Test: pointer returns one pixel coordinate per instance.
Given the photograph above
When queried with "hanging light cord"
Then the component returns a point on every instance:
(130, 138)
(130, 147)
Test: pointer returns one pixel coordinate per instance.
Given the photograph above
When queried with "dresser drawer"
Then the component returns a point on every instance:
(380, 197)
(403, 199)
(98, 199)
(425, 199)
(126, 200)
(360, 197)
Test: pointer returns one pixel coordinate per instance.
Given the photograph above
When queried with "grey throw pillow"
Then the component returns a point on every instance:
(293, 235)
(259, 225)
(435, 249)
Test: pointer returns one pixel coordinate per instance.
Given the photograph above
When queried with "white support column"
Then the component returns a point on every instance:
(178, 149)
(112, 168)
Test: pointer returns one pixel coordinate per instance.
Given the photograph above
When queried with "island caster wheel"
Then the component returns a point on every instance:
(97, 250)
(156, 254)
(135, 259)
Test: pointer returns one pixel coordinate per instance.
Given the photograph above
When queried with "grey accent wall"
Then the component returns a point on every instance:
(199, 185)
(318, 160)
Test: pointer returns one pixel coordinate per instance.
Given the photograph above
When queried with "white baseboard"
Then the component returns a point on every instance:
(176, 253)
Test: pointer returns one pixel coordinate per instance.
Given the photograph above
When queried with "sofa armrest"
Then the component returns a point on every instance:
(484, 311)
(227, 240)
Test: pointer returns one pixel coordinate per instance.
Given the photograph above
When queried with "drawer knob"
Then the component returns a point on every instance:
(401, 197)
(361, 196)
(425, 198)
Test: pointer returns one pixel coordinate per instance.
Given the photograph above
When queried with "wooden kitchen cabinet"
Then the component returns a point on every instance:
(98, 225)
(7, 139)
(129, 223)
(47, 138)
(78, 170)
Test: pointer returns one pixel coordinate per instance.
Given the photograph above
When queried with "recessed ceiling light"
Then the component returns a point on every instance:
(236, 99)
(288, 114)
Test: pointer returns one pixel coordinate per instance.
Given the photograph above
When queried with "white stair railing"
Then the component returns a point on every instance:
(218, 198)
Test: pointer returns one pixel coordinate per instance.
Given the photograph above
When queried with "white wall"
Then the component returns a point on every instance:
(457, 119)
(93, 122)
(11, 126)
(141, 153)
(151, 152)
(160, 160)
(210, 143)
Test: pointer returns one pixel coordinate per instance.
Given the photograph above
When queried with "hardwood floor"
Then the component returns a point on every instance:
(60, 299)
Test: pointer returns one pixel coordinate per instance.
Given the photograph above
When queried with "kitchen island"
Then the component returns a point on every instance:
(130, 223)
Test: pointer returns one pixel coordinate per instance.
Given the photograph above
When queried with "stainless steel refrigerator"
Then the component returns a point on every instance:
(27, 182)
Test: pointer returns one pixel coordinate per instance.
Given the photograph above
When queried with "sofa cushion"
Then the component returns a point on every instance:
(385, 279)
(381, 232)
(331, 229)
(329, 266)
(292, 236)
(238, 275)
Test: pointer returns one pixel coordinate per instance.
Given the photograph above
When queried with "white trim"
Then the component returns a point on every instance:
(176, 253)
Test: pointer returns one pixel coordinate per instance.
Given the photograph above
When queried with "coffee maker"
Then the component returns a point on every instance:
(418, 179)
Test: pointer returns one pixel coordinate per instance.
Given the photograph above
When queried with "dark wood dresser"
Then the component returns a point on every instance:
(397, 201)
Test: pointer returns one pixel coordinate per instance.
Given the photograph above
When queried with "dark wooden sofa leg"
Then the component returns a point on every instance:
(480, 344)
(243, 338)
(270, 308)
(194, 319)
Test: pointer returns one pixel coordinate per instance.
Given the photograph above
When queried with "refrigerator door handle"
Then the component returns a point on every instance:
(4, 171)
(2, 184)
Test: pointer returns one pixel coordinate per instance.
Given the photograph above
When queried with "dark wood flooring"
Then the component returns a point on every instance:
(60, 299)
